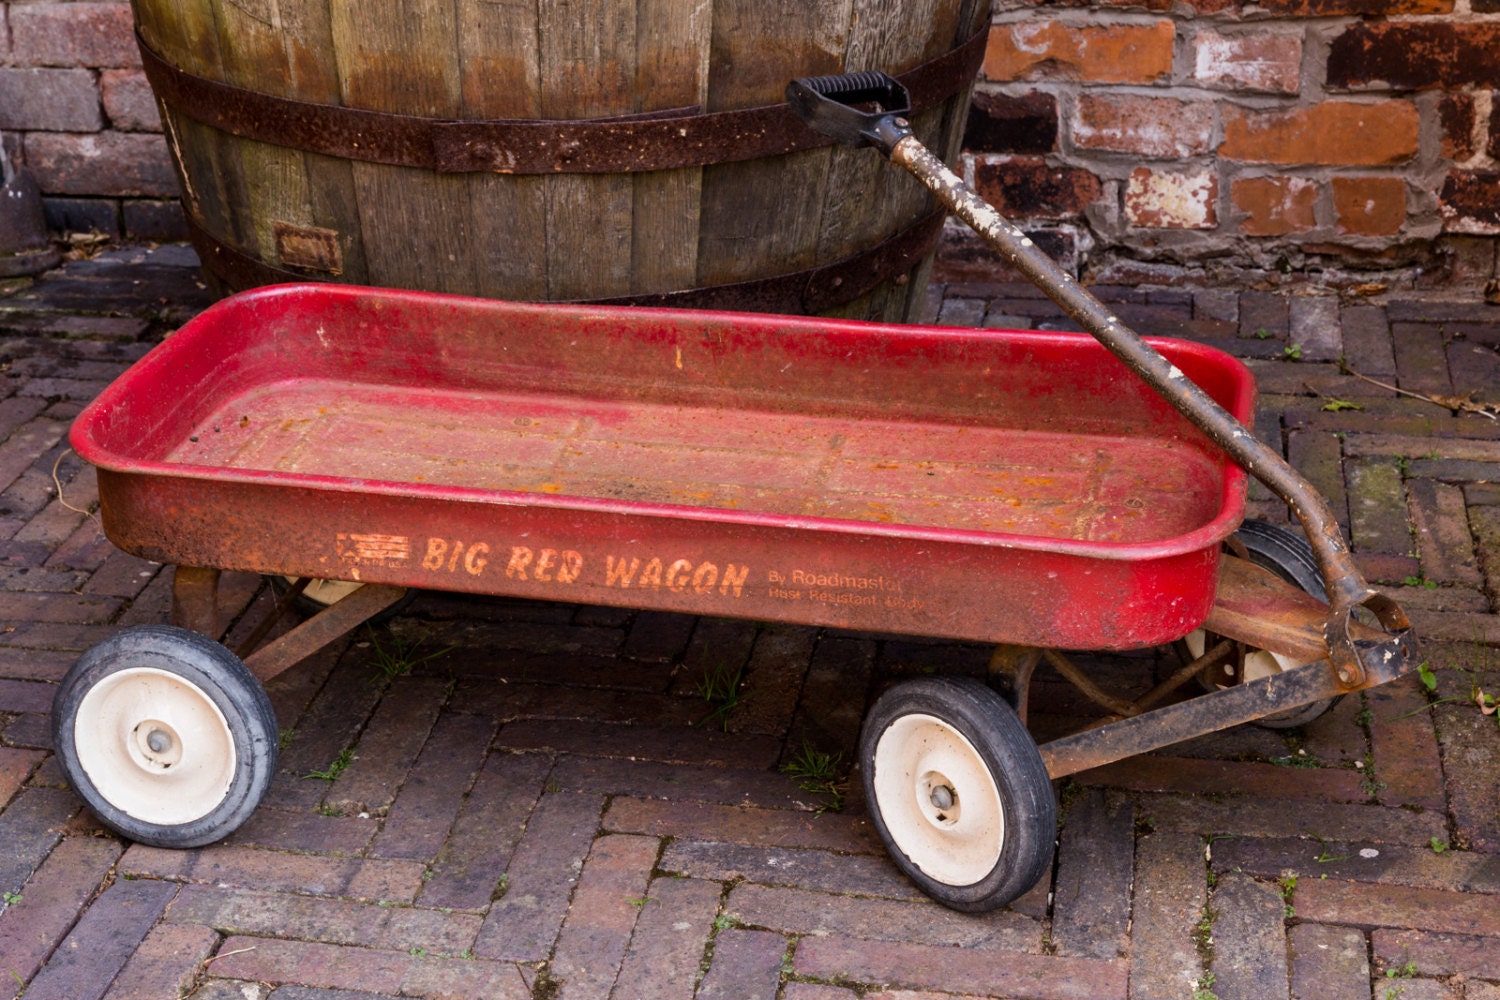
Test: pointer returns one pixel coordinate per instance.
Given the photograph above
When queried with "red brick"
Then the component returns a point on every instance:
(1275, 206)
(746, 966)
(1178, 774)
(1170, 890)
(1003, 123)
(603, 913)
(128, 101)
(731, 824)
(434, 790)
(1456, 115)
(102, 941)
(523, 923)
(74, 34)
(478, 850)
(450, 979)
(800, 912)
(670, 936)
(645, 779)
(328, 966)
(1091, 914)
(242, 867)
(1413, 56)
(1025, 187)
(959, 970)
(1367, 8)
(1332, 133)
(1328, 963)
(1159, 128)
(1166, 199)
(56, 100)
(51, 899)
(1374, 905)
(1468, 201)
(57, 608)
(822, 871)
(1046, 48)
(1259, 818)
(1405, 749)
(1369, 206)
(676, 745)
(166, 964)
(105, 163)
(1438, 954)
(1250, 954)
(1262, 61)
(330, 921)
(15, 767)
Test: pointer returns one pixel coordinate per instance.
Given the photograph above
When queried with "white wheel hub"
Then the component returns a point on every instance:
(938, 799)
(1259, 663)
(155, 746)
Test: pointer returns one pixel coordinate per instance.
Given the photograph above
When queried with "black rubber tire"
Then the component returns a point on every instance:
(1015, 768)
(308, 605)
(217, 674)
(1287, 554)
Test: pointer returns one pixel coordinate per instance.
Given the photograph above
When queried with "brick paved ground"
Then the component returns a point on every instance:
(538, 812)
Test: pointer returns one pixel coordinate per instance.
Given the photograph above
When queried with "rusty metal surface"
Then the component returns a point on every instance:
(659, 140)
(976, 484)
(1208, 713)
(337, 620)
(809, 291)
(195, 599)
(1346, 586)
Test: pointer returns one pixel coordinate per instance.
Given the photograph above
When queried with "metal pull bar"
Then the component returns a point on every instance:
(1346, 586)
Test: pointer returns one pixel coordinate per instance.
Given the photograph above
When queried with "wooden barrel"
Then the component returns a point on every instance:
(563, 150)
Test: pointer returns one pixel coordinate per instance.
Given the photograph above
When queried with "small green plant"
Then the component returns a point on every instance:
(1336, 405)
(723, 921)
(1429, 679)
(1203, 933)
(1403, 464)
(12, 898)
(1419, 581)
(284, 738)
(467, 954)
(1262, 334)
(1324, 857)
(416, 952)
(1364, 718)
(722, 689)
(1288, 883)
(1406, 971)
(817, 772)
(1292, 352)
(1438, 846)
(327, 809)
(1203, 987)
(397, 657)
(640, 903)
(345, 757)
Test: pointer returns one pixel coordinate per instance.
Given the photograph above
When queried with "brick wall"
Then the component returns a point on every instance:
(1337, 136)
(1138, 140)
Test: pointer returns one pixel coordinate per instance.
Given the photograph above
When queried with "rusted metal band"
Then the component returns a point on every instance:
(809, 291)
(662, 140)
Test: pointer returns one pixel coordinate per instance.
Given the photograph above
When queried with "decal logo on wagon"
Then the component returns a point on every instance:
(374, 550)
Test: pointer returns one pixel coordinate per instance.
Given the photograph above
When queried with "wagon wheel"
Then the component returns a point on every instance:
(957, 791)
(165, 735)
(319, 594)
(1288, 555)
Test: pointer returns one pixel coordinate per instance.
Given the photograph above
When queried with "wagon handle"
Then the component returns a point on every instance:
(828, 104)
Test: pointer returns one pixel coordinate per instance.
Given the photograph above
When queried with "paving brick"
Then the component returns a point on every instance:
(469, 866)
(1315, 326)
(818, 991)
(610, 895)
(247, 868)
(102, 941)
(1404, 746)
(1091, 918)
(821, 871)
(1421, 361)
(1375, 905)
(671, 935)
(1169, 774)
(1328, 963)
(449, 979)
(746, 966)
(828, 718)
(731, 824)
(30, 826)
(800, 912)
(330, 726)
(50, 901)
(1416, 866)
(658, 636)
(1319, 457)
(123, 575)
(645, 779)
(680, 746)
(308, 832)
(307, 964)
(1377, 507)
(1169, 897)
(424, 810)
(166, 964)
(524, 922)
(1441, 528)
(15, 767)
(331, 921)
(1259, 818)
(958, 970)
(1249, 940)
(1437, 954)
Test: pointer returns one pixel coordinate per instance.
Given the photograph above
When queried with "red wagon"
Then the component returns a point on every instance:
(1024, 489)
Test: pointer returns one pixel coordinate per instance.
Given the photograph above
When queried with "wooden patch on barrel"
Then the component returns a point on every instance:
(310, 247)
